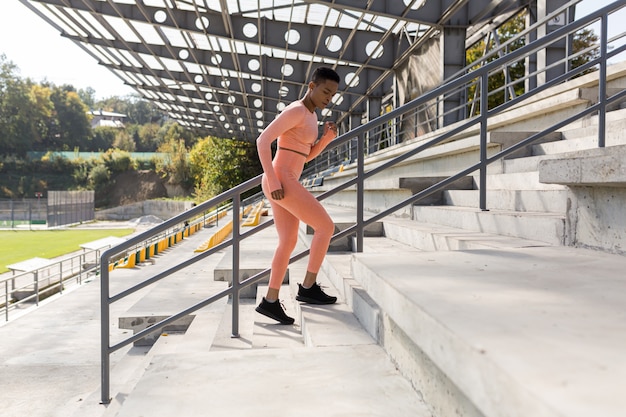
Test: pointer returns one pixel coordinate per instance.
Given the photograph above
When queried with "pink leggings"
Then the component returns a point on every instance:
(298, 204)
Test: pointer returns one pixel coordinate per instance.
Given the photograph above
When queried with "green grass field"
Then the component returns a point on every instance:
(19, 245)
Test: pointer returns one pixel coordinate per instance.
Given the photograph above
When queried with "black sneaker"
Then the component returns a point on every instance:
(274, 311)
(314, 295)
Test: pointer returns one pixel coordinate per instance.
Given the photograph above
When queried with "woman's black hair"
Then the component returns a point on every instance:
(325, 73)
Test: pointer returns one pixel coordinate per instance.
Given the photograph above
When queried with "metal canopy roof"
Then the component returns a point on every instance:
(228, 66)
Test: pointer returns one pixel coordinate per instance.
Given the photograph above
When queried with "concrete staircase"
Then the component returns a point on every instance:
(326, 363)
(449, 310)
(514, 311)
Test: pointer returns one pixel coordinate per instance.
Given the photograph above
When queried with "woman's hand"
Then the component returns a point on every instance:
(278, 194)
(330, 127)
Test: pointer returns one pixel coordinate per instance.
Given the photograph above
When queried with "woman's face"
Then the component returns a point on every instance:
(323, 92)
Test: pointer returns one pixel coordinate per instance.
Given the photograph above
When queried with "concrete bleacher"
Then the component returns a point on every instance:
(448, 311)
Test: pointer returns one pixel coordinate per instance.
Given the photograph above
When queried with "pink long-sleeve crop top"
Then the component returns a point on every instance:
(296, 128)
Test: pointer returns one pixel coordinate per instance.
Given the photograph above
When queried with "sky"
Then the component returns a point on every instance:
(41, 53)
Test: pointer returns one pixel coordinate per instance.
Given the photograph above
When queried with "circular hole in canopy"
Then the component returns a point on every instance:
(287, 70)
(160, 16)
(202, 23)
(416, 3)
(333, 43)
(254, 64)
(352, 80)
(250, 30)
(374, 49)
(292, 36)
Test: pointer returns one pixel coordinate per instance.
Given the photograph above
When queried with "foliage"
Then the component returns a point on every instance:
(175, 165)
(117, 160)
(220, 164)
(137, 110)
(124, 141)
(20, 129)
(72, 125)
(583, 41)
(98, 177)
(23, 177)
(147, 137)
(103, 138)
(172, 130)
(515, 71)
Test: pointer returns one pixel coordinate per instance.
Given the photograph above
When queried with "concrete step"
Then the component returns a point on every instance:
(268, 334)
(588, 127)
(273, 357)
(553, 201)
(504, 332)
(517, 181)
(327, 325)
(431, 237)
(331, 381)
(584, 135)
(374, 199)
(527, 164)
(548, 228)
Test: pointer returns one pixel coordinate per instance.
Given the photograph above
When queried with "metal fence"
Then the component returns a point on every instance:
(60, 208)
(68, 207)
(24, 289)
(15, 213)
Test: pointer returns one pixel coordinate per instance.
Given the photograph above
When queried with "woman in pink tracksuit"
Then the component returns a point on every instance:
(296, 129)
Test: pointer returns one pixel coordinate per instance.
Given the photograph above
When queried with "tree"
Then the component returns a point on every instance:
(174, 164)
(584, 41)
(581, 42)
(515, 71)
(102, 139)
(72, 124)
(124, 141)
(19, 125)
(220, 164)
(143, 112)
(42, 110)
(88, 96)
(147, 137)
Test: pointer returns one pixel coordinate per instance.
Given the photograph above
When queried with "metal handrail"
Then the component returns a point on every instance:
(360, 133)
(325, 160)
(59, 273)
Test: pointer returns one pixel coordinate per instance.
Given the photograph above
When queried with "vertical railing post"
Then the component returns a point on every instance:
(61, 277)
(235, 280)
(105, 370)
(36, 276)
(6, 300)
(602, 82)
(484, 117)
(360, 191)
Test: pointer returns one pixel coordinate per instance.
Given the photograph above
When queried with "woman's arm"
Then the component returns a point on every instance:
(330, 133)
